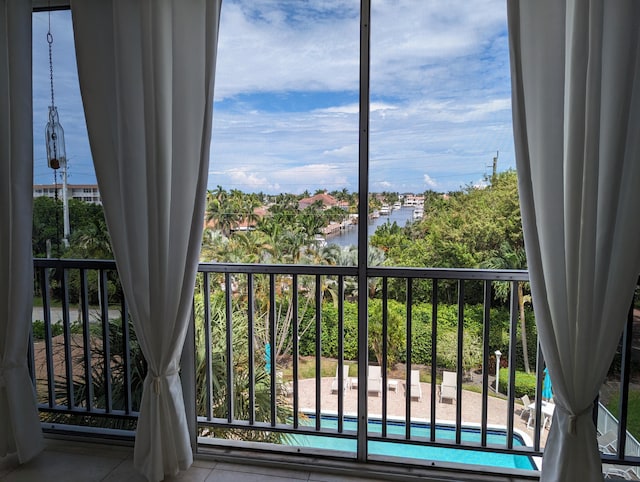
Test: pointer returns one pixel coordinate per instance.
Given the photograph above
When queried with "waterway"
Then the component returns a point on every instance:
(349, 236)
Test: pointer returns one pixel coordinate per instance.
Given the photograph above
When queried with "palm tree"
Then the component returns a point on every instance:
(510, 257)
(222, 213)
(219, 390)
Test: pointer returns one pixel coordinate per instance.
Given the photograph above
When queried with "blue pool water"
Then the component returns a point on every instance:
(423, 452)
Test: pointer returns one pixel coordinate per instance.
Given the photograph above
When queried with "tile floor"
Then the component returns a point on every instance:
(76, 461)
(64, 461)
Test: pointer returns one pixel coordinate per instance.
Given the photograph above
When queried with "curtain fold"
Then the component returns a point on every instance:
(20, 430)
(146, 70)
(575, 68)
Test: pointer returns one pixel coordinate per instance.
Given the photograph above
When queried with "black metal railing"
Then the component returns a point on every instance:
(271, 340)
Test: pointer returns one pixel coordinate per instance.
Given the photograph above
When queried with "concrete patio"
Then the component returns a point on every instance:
(471, 406)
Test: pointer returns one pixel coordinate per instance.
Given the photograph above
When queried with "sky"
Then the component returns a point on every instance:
(287, 88)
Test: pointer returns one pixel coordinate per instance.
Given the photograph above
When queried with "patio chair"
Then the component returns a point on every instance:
(374, 380)
(448, 386)
(345, 379)
(608, 442)
(618, 473)
(526, 409)
(286, 388)
(416, 389)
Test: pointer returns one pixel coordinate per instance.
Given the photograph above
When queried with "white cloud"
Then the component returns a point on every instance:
(383, 185)
(314, 46)
(287, 80)
(429, 182)
(344, 152)
(251, 181)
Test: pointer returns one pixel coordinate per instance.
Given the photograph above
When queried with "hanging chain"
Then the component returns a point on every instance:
(50, 42)
(55, 172)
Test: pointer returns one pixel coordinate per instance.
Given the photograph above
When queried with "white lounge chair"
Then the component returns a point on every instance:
(526, 409)
(448, 386)
(345, 380)
(608, 442)
(618, 473)
(374, 380)
(416, 389)
(286, 388)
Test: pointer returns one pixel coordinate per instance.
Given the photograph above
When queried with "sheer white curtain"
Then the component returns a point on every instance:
(20, 430)
(576, 107)
(146, 70)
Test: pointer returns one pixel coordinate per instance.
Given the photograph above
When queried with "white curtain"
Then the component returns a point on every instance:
(576, 108)
(146, 70)
(20, 430)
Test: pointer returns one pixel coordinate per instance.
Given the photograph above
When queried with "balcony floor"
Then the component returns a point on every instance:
(75, 461)
(89, 462)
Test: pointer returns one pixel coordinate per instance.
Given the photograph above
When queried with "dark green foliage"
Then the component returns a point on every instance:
(241, 376)
(136, 375)
(420, 334)
(89, 238)
(38, 329)
(525, 383)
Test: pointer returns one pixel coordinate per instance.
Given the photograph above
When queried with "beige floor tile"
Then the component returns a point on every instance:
(218, 475)
(60, 466)
(286, 474)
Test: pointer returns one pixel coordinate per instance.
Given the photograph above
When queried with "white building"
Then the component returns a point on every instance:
(82, 192)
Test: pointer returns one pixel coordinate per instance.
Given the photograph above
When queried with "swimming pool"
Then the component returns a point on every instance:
(422, 452)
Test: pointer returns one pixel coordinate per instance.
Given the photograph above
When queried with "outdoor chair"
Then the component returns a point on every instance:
(284, 387)
(526, 409)
(613, 473)
(374, 380)
(448, 387)
(416, 389)
(608, 442)
(345, 379)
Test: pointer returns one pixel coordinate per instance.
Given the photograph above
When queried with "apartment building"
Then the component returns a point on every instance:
(82, 192)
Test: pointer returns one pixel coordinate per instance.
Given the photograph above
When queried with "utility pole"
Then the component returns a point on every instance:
(495, 167)
(65, 205)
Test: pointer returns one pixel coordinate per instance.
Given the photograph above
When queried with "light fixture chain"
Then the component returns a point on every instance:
(50, 42)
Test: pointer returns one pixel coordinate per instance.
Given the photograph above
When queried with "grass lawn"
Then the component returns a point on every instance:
(633, 411)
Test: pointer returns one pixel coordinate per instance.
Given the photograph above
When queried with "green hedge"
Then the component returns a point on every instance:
(420, 334)
(38, 329)
(525, 383)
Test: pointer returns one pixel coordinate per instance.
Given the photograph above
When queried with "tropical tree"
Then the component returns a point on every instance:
(221, 211)
(396, 332)
(512, 257)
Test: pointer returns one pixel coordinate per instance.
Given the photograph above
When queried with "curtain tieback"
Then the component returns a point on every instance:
(573, 417)
(155, 380)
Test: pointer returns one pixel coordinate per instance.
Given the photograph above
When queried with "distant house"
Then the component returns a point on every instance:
(244, 225)
(413, 200)
(247, 225)
(326, 199)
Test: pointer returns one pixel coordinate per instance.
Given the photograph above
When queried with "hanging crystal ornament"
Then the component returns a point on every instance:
(54, 133)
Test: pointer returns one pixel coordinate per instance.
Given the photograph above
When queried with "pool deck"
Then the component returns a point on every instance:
(471, 406)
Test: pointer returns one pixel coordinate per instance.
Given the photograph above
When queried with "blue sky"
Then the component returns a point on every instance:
(286, 99)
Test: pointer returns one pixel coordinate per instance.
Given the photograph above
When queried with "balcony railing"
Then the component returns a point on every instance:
(268, 348)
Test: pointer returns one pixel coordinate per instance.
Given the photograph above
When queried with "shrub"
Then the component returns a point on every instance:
(525, 383)
(38, 329)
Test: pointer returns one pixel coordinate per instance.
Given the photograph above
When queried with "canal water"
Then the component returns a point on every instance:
(349, 236)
